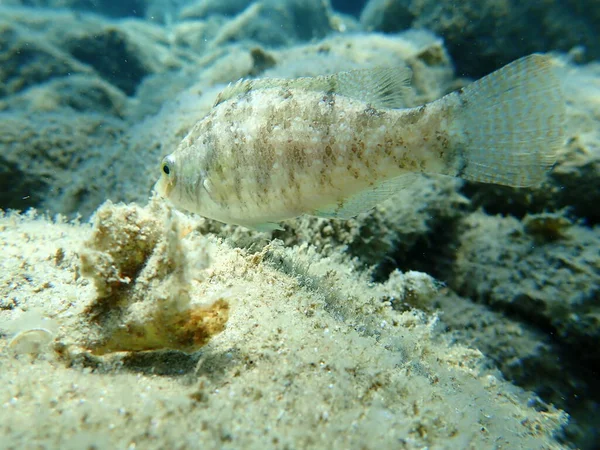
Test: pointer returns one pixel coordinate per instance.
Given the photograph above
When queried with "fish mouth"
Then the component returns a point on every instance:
(163, 187)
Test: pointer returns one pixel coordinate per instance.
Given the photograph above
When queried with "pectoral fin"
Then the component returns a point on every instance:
(367, 199)
(263, 227)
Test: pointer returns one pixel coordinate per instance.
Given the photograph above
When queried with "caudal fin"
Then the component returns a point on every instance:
(512, 123)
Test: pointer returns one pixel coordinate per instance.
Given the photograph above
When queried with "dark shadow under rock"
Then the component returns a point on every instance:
(113, 55)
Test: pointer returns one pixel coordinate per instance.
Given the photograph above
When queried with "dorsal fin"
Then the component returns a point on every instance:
(386, 87)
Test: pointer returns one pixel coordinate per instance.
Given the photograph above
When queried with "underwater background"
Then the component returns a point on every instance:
(456, 315)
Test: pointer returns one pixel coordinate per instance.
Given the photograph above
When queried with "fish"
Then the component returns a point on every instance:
(335, 146)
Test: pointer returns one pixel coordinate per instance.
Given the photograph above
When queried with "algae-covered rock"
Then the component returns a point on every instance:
(76, 93)
(482, 36)
(546, 270)
(112, 55)
(123, 8)
(42, 45)
(205, 8)
(530, 358)
(26, 59)
(47, 154)
(307, 335)
(143, 282)
(269, 22)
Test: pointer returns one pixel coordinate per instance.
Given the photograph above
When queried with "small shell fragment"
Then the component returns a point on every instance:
(31, 342)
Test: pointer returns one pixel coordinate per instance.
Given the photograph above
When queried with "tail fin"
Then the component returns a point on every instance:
(511, 123)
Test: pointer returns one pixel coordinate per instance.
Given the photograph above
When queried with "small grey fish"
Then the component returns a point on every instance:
(335, 146)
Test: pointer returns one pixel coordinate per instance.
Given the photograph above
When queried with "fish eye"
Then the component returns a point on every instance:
(167, 166)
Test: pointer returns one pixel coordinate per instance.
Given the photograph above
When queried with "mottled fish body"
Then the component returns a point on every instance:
(335, 146)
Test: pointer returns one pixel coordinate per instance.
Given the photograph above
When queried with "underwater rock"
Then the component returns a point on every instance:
(305, 19)
(122, 8)
(112, 54)
(197, 35)
(423, 52)
(17, 183)
(269, 22)
(46, 156)
(544, 269)
(74, 93)
(530, 358)
(143, 283)
(204, 9)
(51, 160)
(352, 7)
(482, 36)
(37, 282)
(306, 334)
(122, 52)
(387, 16)
(27, 60)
